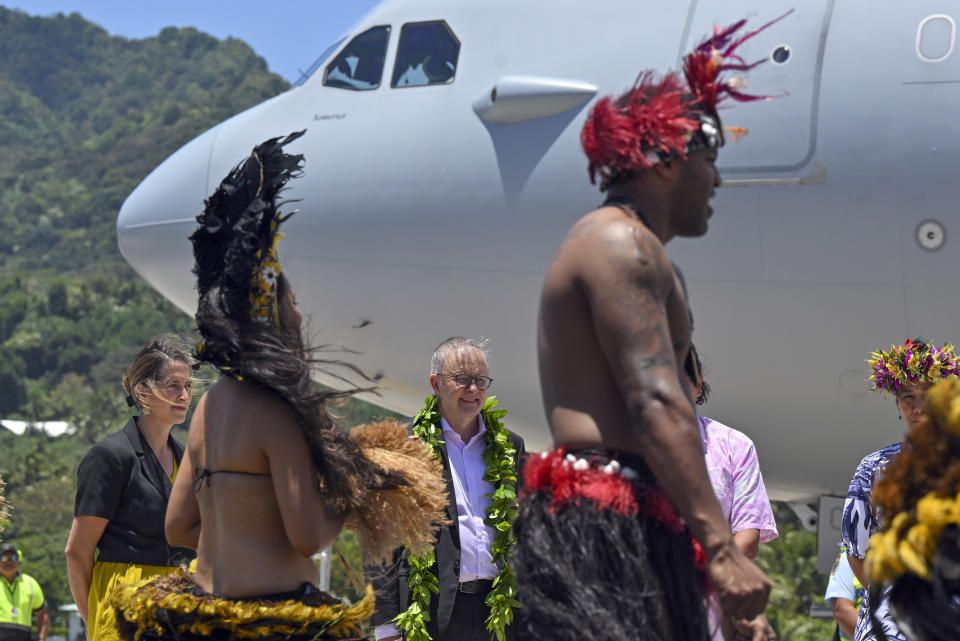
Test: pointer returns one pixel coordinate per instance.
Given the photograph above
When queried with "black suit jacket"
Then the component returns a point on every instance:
(390, 581)
(121, 480)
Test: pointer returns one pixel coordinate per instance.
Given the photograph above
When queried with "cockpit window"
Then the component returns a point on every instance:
(312, 69)
(427, 55)
(360, 65)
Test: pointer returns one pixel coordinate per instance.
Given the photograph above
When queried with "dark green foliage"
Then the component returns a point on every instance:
(13, 392)
(360, 412)
(790, 562)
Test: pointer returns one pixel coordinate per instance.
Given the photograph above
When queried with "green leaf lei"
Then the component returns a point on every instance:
(500, 456)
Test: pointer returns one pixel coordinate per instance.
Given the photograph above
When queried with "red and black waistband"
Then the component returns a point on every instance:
(619, 482)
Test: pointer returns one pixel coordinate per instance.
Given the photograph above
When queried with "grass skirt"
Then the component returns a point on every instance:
(601, 554)
(173, 607)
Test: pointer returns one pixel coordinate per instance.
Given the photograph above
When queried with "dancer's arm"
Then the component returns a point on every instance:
(633, 327)
(182, 524)
(309, 522)
(628, 294)
(183, 512)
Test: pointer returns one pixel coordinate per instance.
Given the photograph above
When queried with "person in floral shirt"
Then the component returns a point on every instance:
(907, 372)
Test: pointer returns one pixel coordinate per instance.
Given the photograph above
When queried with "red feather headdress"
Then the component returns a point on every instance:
(663, 118)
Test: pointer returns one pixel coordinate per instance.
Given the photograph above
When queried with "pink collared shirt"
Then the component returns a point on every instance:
(735, 475)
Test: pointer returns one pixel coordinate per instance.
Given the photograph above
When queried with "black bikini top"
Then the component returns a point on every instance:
(201, 473)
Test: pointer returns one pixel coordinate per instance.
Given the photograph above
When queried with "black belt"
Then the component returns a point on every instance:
(477, 586)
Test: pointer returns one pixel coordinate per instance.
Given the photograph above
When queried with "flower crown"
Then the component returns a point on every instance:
(663, 118)
(911, 363)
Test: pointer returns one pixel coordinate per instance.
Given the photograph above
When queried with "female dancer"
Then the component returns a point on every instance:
(268, 480)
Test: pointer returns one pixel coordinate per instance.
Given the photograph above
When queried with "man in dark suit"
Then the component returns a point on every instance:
(469, 552)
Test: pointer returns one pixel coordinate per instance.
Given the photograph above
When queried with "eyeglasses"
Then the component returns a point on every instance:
(465, 380)
(7, 557)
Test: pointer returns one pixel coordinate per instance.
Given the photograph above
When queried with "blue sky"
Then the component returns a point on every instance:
(289, 34)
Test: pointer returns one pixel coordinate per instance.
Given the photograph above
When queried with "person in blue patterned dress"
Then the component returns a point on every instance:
(907, 372)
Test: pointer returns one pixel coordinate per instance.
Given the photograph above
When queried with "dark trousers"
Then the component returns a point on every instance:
(468, 621)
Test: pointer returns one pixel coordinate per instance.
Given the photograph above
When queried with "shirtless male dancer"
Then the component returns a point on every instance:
(620, 534)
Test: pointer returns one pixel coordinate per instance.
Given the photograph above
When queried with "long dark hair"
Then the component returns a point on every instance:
(694, 370)
(277, 359)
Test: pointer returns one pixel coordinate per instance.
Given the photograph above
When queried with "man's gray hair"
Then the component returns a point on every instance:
(456, 346)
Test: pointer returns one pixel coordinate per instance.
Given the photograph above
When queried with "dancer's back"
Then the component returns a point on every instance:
(249, 480)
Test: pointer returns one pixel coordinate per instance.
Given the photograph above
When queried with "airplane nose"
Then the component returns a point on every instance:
(156, 219)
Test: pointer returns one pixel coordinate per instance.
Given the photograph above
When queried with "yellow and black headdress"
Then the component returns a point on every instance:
(235, 248)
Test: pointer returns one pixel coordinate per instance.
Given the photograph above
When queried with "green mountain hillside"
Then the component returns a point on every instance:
(84, 116)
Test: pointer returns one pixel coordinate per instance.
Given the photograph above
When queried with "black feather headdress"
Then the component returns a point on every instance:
(235, 247)
(383, 478)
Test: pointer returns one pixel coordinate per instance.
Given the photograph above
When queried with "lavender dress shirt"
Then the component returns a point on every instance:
(473, 498)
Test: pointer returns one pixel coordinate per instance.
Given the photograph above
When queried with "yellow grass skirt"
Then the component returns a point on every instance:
(101, 620)
(173, 607)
